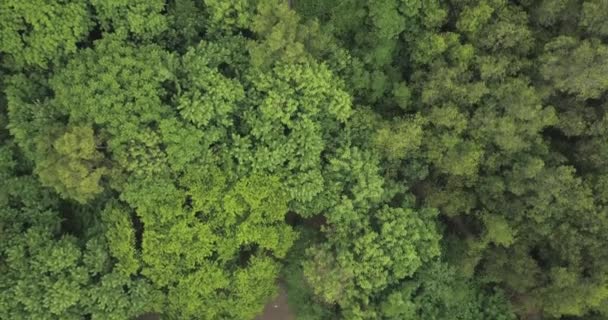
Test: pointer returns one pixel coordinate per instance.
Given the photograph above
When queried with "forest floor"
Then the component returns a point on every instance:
(277, 309)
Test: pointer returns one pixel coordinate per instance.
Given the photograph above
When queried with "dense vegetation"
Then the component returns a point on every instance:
(393, 159)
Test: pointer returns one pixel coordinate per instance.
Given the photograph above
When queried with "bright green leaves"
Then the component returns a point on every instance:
(117, 296)
(113, 88)
(354, 274)
(120, 236)
(184, 143)
(78, 143)
(195, 293)
(498, 230)
(429, 48)
(115, 84)
(449, 80)
(207, 152)
(215, 100)
(209, 240)
(315, 89)
(356, 171)
(206, 93)
(370, 246)
(251, 212)
(446, 147)
(141, 19)
(204, 187)
(174, 244)
(228, 15)
(251, 287)
(409, 237)
(297, 108)
(36, 33)
(119, 88)
(271, 120)
(260, 204)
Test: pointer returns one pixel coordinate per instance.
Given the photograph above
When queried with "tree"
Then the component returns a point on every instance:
(370, 246)
(499, 125)
(38, 33)
(428, 160)
(193, 156)
(142, 20)
(49, 271)
(577, 69)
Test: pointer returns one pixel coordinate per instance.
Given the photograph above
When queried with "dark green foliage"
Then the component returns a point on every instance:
(499, 108)
(394, 159)
(301, 296)
(439, 292)
(49, 272)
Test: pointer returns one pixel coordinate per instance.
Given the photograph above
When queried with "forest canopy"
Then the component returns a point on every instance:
(388, 159)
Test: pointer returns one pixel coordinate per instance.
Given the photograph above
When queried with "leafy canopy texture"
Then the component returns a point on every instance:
(394, 159)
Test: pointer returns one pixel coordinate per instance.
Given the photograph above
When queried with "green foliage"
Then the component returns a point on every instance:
(592, 19)
(301, 297)
(440, 293)
(40, 32)
(141, 19)
(229, 15)
(206, 151)
(395, 159)
(48, 273)
(72, 166)
(576, 68)
(369, 246)
(120, 236)
(492, 88)
(213, 257)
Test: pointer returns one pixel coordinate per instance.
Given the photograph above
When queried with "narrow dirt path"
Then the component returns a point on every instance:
(277, 309)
